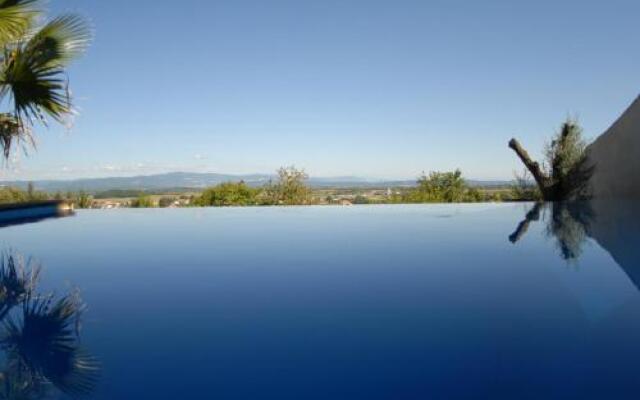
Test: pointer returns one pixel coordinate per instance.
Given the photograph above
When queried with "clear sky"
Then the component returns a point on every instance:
(370, 88)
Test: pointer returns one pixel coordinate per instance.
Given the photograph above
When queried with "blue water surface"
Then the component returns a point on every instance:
(462, 301)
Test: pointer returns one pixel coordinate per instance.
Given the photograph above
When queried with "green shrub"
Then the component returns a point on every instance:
(228, 194)
(143, 202)
(289, 189)
(440, 187)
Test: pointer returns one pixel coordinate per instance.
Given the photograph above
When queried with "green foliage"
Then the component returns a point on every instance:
(289, 189)
(143, 202)
(165, 202)
(16, 17)
(82, 200)
(33, 61)
(440, 187)
(473, 195)
(360, 199)
(119, 193)
(15, 195)
(566, 162)
(524, 189)
(228, 194)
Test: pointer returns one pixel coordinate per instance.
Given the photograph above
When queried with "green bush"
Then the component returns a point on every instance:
(16, 195)
(82, 200)
(360, 199)
(524, 188)
(228, 194)
(166, 201)
(143, 202)
(567, 162)
(440, 187)
(289, 189)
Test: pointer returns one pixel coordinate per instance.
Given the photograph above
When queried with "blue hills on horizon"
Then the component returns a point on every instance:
(200, 180)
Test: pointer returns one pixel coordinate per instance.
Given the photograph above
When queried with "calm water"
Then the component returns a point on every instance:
(365, 302)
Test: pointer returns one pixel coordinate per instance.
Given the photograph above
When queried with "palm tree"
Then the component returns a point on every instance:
(33, 58)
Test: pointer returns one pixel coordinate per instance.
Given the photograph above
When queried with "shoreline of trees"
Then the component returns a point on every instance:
(290, 188)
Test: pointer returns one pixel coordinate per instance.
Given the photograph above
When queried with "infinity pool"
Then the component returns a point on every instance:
(366, 302)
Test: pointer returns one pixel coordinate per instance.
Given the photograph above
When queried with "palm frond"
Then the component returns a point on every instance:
(45, 341)
(59, 41)
(17, 281)
(18, 383)
(16, 18)
(34, 72)
(13, 131)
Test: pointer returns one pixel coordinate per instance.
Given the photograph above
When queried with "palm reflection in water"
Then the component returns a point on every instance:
(40, 337)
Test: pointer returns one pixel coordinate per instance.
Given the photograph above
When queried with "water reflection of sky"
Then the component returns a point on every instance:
(358, 302)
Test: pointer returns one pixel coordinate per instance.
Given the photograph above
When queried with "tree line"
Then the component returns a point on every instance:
(289, 187)
(9, 195)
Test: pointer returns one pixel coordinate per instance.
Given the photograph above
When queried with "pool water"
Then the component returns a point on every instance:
(364, 302)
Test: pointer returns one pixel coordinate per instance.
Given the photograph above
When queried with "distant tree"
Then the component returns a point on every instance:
(119, 193)
(33, 68)
(289, 189)
(16, 195)
(12, 195)
(440, 187)
(473, 195)
(83, 200)
(524, 189)
(228, 194)
(166, 201)
(143, 202)
(31, 190)
(360, 199)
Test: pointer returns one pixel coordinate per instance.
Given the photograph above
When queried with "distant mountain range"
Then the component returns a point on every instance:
(194, 180)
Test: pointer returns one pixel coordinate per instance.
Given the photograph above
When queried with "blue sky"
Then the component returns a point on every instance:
(370, 88)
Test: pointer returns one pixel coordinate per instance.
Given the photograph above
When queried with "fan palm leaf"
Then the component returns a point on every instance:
(16, 17)
(17, 282)
(12, 131)
(32, 68)
(33, 72)
(45, 341)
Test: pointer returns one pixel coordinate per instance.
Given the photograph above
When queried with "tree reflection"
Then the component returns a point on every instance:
(532, 215)
(40, 337)
(568, 223)
(612, 223)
